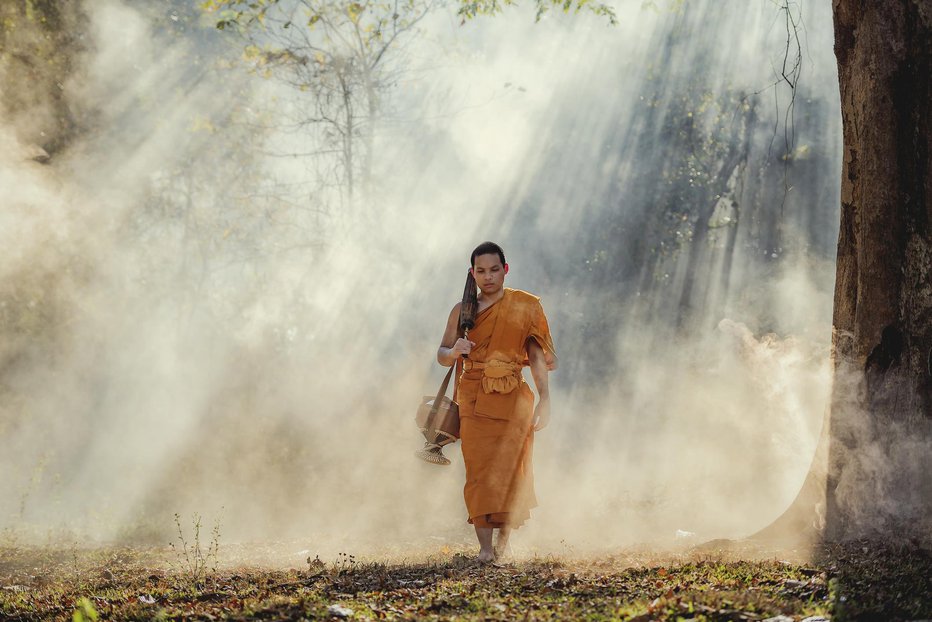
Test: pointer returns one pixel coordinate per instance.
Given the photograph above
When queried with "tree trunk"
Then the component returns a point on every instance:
(40, 48)
(687, 312)
(877, 479)
(737, 196)
(880, 451)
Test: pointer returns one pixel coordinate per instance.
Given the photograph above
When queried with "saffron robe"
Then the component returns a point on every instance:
(496, 409)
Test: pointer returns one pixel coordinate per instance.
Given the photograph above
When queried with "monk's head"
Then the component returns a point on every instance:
(489, 267)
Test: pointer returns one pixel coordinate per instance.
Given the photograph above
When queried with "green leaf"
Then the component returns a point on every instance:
(84, 611)
(354, 10)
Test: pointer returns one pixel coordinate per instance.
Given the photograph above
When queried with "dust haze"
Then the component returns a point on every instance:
(197, 321)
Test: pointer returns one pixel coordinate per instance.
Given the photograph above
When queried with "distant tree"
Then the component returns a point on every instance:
(40, 53)
(341, 56)
(705, 138)
(40, 46)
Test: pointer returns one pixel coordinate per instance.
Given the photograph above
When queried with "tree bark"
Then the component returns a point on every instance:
(876, 480)
(880, 471)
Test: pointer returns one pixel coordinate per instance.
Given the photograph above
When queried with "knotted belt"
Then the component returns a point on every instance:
(497, 376)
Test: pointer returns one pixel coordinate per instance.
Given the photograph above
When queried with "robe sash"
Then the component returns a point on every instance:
(497, 376)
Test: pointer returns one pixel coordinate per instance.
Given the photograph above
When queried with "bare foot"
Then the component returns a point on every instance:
(503, 554)
(501, 548)
(486, 552)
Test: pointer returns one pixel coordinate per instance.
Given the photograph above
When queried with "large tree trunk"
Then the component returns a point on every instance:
(874, 467)
(880, 433)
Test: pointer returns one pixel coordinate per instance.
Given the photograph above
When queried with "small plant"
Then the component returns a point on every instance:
(836, 601)
(75, 567)
(84, 611)
(314, 566)
(196, 561)
(567, 548)
(345, 564)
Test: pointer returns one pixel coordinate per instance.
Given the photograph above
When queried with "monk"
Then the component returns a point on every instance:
(497, 413)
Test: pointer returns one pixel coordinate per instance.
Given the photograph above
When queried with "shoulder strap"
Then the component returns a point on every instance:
(442, 392)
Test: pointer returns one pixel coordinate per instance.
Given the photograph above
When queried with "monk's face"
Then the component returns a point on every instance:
(489, 273)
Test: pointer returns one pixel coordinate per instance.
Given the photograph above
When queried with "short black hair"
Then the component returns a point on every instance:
(487, 248)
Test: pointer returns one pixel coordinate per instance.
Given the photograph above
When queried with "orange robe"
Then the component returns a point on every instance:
(496, 408)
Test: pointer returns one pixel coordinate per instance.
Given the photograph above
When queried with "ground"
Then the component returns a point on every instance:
(720, 581)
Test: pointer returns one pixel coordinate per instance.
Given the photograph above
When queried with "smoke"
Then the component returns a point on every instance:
(878, 460)
(197, 325)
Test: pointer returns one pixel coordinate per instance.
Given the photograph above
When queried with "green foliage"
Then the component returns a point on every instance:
(473, 8)
(673, 6)
(237, 14)
(331, 27)
(84, 611)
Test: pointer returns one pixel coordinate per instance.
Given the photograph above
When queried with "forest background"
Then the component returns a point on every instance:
(229, 255)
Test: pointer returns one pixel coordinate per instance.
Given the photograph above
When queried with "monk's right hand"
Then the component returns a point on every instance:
(462, 346)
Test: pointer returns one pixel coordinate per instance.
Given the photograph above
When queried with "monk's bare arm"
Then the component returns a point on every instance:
(539, 368)
(452, 348)
(550, 357)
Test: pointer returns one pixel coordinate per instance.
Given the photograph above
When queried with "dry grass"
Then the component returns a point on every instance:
(861, 581)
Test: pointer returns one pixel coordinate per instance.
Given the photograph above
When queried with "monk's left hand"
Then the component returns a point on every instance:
(542, 414)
